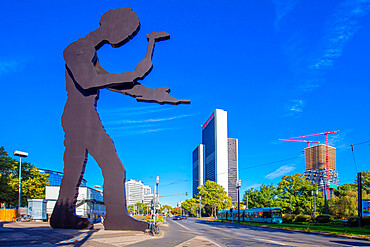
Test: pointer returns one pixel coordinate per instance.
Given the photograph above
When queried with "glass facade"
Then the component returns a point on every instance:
(55, 178)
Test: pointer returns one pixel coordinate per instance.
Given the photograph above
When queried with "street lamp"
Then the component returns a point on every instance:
(157, 182)
(238, 185)
(20, 154)
(200, 207)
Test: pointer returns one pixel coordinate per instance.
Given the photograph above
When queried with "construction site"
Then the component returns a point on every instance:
(320, 162)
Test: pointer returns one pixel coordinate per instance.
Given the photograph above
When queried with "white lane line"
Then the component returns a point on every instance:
(198, 234)
(182, 226)
(247, 235)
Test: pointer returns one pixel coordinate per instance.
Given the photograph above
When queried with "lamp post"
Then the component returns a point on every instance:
(200, 207)
(238, 185)
(157, 183)
(20, 154)
(314, 199)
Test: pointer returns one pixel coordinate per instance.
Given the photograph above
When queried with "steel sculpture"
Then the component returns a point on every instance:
(84, 132)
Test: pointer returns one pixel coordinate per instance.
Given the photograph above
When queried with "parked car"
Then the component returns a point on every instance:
(183, 217)
(177, 217)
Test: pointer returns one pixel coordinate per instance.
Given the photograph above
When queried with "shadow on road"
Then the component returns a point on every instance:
(351, 243)
(18, 234)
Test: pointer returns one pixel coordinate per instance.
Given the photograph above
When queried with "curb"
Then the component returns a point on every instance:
(307, 231)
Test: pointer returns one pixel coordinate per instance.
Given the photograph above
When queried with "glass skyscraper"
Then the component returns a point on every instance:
(219, 155)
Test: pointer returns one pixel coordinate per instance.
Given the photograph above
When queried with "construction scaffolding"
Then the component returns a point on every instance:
(315, 165)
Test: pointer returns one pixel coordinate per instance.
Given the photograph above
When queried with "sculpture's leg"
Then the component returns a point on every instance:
(64, 215)
(104, 152)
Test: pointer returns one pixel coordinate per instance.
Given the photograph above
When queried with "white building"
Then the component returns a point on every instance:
(136, 192)
(89, 202)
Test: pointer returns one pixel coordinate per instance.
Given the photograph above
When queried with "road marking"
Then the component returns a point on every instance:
(182, 226)
(249, 236)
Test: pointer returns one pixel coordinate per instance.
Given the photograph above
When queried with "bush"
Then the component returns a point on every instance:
(353, 221)
(303, 218)
(324, 218)
(289, 218)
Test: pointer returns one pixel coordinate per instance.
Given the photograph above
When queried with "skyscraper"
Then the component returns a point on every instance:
(233, 168)
(198, 164)
(219, 154)
(315, 171)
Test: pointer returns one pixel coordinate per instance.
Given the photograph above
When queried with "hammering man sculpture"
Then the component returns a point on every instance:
(84, 132)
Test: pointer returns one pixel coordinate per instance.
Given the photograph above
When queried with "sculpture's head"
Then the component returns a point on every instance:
(117, 26)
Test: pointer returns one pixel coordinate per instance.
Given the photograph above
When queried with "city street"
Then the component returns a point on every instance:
(226, 234)
(181, 233)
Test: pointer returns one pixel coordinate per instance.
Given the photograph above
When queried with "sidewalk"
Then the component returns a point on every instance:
(35, 233)
(40, 233)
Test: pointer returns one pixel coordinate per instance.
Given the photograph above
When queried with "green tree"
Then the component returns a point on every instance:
(213, 196)
(192, 206)
(266, 196)
(365, 177)
(297, 187)
(33, 182)
(344, 203)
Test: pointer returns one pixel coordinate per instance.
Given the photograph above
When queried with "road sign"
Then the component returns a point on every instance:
(365, 207)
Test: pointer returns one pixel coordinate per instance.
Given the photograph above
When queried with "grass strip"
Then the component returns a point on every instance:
(311, 227)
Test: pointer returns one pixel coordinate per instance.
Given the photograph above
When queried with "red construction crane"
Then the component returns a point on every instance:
(327, 155)
(308, 142)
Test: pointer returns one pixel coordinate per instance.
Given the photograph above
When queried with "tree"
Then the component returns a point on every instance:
(266, 196)
(33, 182)
(297, 187)
(344, 203)
(365, 177)
(213, 196)
(192, 206)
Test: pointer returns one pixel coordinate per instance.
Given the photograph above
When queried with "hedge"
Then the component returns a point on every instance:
(303, 218)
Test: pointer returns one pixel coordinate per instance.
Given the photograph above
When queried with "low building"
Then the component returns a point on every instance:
(89, 203)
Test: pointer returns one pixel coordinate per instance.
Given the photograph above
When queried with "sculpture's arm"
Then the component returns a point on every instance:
(157, 95)
(78, 61)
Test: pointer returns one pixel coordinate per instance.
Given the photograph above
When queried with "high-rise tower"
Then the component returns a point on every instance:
(219, 154)
(315, 171)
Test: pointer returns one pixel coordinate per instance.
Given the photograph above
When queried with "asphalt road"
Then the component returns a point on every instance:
(227, 234)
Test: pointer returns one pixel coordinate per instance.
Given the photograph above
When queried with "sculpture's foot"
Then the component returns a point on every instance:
(63, 220)
(125, 223)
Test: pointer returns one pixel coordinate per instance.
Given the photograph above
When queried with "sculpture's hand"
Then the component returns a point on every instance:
(158, 36)
(157, 95)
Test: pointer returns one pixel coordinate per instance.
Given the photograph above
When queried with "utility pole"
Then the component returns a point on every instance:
(326, 199)
(200, 207)
(311, 201)
(359, 191)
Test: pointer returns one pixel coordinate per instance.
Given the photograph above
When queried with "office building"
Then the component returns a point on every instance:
(315, 165)
(198, 164)
(233, 168)
(214, 154)
(136, 192)
(55, 178)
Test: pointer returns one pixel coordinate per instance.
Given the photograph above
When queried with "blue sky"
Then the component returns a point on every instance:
(281, 68)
